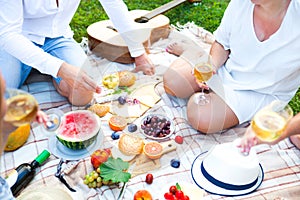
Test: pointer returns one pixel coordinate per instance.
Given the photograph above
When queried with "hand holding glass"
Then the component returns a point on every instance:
(22, 109)
(270, 122)
(203, 72)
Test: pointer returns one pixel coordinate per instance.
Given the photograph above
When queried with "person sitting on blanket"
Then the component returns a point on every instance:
(36, 34)
(5, 130)
(292, 131)
(255, 59)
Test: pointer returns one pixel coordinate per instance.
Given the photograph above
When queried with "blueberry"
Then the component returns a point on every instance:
(132, 128)
(175, 163)
(115, 135)
(122, 100)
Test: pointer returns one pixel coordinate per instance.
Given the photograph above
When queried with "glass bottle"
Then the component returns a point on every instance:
(20, 177)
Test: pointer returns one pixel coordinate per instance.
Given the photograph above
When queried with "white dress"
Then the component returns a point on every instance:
(257, 72)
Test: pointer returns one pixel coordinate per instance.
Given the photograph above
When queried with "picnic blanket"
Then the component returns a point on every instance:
(281, 162)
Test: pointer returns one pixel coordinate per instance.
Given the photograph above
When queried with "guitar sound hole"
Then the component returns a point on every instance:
(141, 20)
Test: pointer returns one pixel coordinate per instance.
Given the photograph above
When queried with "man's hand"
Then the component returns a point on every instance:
(76, 78)
(144, 64)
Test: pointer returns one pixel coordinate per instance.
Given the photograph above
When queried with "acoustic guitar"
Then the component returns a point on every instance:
(105, 41)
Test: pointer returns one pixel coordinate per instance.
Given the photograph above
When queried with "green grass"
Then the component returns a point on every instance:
(207, 14)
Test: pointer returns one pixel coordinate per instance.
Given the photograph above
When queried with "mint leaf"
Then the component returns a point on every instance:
(115, 170)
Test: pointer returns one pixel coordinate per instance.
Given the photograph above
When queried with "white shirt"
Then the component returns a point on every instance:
(270, 67)
(23, 21)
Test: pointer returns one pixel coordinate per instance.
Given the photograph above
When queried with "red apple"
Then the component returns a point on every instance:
(99, 156)
(142, 195)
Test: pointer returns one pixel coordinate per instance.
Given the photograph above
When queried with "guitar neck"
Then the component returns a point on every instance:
(163, 8)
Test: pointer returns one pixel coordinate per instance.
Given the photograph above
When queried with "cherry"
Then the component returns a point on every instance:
(149, 178)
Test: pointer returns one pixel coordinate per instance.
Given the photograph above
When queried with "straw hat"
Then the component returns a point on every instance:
(226, 171)
(45, 193)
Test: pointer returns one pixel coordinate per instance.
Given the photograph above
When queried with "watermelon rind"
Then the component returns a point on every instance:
(80, 143)
(77, 145)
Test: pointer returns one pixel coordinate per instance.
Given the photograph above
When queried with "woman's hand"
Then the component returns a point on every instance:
(248, 140)
(41, 117)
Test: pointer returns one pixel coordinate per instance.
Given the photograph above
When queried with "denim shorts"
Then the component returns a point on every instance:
(67, 49)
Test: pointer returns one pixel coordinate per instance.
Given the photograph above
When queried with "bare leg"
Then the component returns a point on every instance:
(295, 139)
(178, 79)
(211, 117)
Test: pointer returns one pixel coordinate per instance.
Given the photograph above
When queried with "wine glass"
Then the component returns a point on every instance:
(203, 71)
(22, 109)
(269, 123)
(54, 119)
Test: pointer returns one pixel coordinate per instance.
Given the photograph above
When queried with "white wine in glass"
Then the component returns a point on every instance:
(22, 107)
(270, 122)
(203, 72)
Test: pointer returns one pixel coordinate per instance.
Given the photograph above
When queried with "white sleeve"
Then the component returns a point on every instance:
(118, 13)
(12, 40)
(222, 34)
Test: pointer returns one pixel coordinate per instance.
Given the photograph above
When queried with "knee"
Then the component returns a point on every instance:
(80, 99)
(176, 84)
(197, 117)
(169, 84)
(295, 139)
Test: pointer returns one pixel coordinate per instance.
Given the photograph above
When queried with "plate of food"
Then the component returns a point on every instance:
(78, 136)
(157, 126)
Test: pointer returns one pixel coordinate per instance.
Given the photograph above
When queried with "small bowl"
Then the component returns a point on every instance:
(156, 126)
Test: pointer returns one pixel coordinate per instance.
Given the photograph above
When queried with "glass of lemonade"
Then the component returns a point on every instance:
(269, 123)
(22, 107)
(203, 71)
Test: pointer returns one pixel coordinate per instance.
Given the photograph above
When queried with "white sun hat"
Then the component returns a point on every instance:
(225, 171)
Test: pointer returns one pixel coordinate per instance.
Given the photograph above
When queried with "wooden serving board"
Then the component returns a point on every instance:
(145, 93)
(142, 164)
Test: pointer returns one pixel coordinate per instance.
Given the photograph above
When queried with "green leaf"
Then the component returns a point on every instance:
(115, 170)
(178, 186)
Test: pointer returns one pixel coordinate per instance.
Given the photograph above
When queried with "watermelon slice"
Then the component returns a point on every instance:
(78, 129)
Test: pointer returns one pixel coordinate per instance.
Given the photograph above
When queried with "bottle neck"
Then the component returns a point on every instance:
(34, 164)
